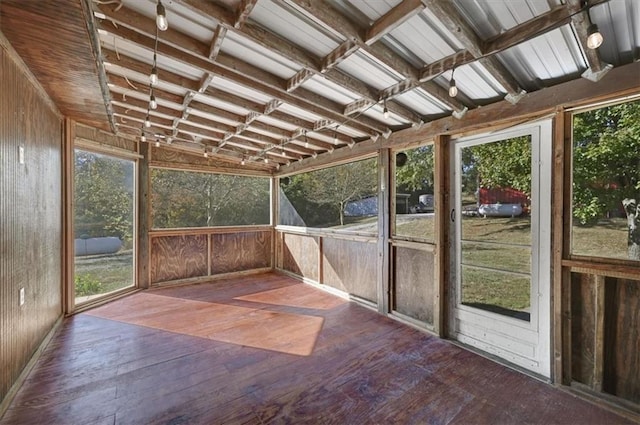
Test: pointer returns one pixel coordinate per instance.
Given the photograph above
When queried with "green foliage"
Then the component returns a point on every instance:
(103, 196)
(503, 164)
(320, 197)
(87, 284)
(606, 160)
(417, 173)
(192, 199)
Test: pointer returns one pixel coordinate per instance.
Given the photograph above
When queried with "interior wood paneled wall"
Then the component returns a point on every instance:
(605, 333)
(192, 255)
(30, 217)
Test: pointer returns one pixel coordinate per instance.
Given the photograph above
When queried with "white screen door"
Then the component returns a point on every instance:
(501, 215)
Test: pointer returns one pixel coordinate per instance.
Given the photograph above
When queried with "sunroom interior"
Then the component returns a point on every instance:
(467, 169)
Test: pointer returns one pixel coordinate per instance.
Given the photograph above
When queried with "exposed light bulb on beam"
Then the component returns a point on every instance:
(143, 138)
(243, 162)
(594, 37)
(157, 144)
(385, 111)
(147, 123)
(152, 102)
(453, 89)
(161, 17)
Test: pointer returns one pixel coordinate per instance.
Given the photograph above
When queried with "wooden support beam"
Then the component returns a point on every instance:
(442, 208)
(297, 80)
(251, 77)
(216, 42)
(453, 20)
(395, 17)
(442, 95)
(339, 54)
(357, 106)
(581, 22)
(242, 13)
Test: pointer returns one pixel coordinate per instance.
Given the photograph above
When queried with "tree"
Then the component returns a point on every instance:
(606, 160)
(103, 196)
(192, 199)
(320, 195)
(417, 172)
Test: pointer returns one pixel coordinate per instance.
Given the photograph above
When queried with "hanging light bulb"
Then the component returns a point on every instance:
(385, 111)
(206, 155)
(152, 102)
(243, 161)
(143, 138)
(157, 143)
(153, 77)
(266, 160)
(161, 17)
(594, 37)
(453, 89)
(335, 138)
(306, 142)
(147, 123)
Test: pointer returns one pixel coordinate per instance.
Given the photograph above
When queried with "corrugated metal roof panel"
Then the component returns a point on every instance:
(330, 90)
(619, 23)
(422, 102)
(292, 25)
(212, 101)
(362, 67)
(373, 10)
(554, 55)
(181, 18)
(239, 90)
(250, 52)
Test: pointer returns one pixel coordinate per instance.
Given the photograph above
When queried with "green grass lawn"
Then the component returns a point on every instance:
(101, 274)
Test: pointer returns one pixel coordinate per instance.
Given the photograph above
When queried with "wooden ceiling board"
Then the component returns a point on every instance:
(51, 37)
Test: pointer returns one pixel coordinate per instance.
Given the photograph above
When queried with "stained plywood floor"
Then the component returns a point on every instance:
(269, 350)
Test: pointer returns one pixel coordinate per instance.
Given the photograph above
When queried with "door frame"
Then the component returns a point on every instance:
(524, 344)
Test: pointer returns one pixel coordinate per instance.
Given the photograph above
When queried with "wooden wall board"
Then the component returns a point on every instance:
(583, 321)
(413, 287)
(233, 252)
(178, 257)
(300, 255)
(622, 339)
(30, 217)
(167, 157)
(102, 137)
(351, 267)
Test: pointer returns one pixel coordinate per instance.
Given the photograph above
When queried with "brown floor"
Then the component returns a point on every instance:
(267, 349)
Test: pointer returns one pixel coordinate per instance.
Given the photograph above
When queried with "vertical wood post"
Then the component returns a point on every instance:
(275, 217)
(384, 182)
(441, 208)
(144, 217)
(68, 243)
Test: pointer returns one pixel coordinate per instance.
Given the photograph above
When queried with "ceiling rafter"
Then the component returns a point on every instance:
(395, 17)
(244, 74)
(244, 10)
(453, 20)
(333, 21)
(317, 66)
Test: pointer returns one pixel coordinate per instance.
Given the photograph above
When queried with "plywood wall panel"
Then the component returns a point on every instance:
(413, 283)
(30, 217)
(300, 255)
(622, 339)
(178, 257)
(350, 266)
(582, 328)
(234, 252)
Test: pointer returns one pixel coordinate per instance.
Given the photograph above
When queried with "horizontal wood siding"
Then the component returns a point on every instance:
(413, 283)
(350, 266)
(30, 218)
